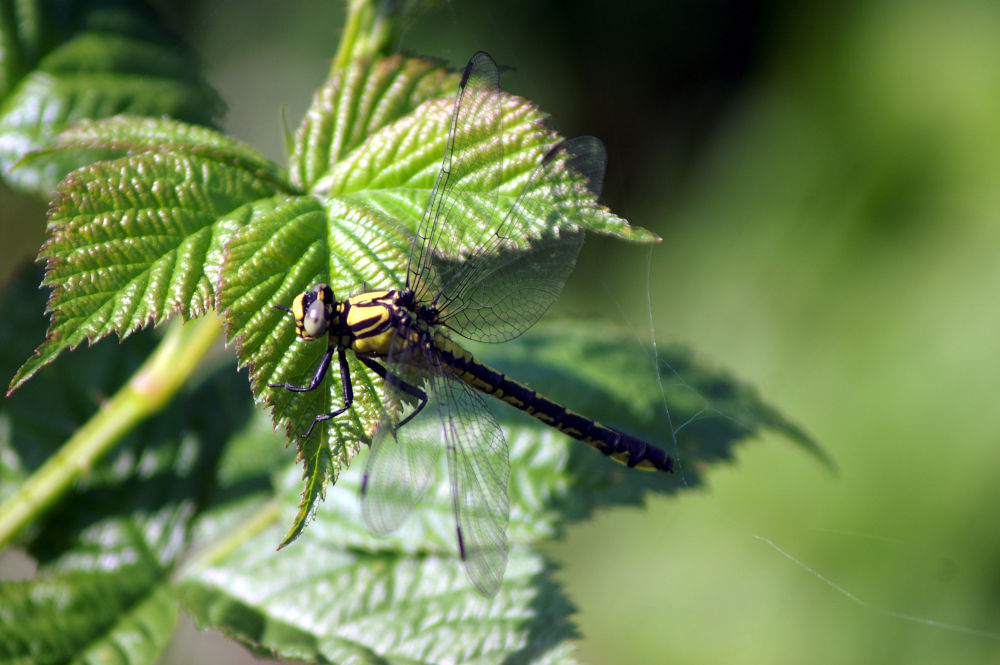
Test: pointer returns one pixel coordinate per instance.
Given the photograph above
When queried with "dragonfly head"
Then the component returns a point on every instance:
(313, 310)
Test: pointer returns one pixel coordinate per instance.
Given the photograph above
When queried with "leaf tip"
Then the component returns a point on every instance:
(639, 234)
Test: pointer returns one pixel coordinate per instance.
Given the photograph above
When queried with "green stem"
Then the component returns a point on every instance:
(369, 29)
(360, 16)
(148, 391)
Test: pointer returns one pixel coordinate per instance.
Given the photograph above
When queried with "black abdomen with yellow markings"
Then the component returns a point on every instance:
(617, 445)
(379, 323)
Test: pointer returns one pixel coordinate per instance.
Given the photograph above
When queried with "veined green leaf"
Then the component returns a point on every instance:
(358, 101)
(289, 244)
(394, 171)
(109, 58)
(355, 232)
(380, 603)
(138, 238)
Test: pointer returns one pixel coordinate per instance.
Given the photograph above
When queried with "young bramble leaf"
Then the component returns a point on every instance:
(357, 101)
(368, 193)
(284, 248)
(141, 237)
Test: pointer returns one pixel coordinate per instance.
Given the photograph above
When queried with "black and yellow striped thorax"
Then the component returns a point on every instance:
(365, 323)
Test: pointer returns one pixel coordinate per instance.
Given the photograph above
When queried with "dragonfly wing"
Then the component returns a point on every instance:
(403, 459)
(406, 449)
(512, 279)
(468, 182)
(479, 472)
(399, 470)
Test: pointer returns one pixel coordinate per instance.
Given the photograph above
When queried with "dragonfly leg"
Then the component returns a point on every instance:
(394, 380)
(345, 384)
(318, 376)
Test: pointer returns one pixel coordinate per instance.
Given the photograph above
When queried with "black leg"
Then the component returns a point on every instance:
(345, 384)
(394, 380)
(318, 376)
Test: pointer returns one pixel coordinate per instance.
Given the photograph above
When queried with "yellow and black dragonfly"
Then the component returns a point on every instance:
(433, 387)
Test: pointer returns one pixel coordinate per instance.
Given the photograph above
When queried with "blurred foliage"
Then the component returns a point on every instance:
(62, 62)
(824, 177)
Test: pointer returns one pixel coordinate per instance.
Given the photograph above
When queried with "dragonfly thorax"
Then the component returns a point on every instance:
(372, 323)
(374, 320)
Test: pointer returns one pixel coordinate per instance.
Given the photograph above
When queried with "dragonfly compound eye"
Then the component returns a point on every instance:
(315, 321)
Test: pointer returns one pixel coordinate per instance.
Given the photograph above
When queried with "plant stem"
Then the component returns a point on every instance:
(148, 391)
(360, 16)
(369, 29)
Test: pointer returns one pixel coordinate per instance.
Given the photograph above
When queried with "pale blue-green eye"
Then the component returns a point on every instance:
(315, 320)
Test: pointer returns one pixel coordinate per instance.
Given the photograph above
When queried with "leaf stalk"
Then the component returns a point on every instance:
(149, 390)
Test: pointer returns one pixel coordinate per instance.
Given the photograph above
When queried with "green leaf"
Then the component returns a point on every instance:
(394, 171)
(141, 237)
(327, 598)
(368, 193)
(66, 62)
(356, 102)
(281, 232)
(344, 606)
(113, 613)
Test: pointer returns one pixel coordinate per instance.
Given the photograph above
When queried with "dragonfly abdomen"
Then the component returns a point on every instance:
(617, 445)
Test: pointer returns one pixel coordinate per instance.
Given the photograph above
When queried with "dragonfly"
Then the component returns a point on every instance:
(434, 388)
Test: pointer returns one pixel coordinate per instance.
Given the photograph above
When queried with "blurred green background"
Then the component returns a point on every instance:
(826, 180)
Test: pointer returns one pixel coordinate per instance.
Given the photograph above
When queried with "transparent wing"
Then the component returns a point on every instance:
(478, 471)
(513, 278)
(403, 459)
(468, 182)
